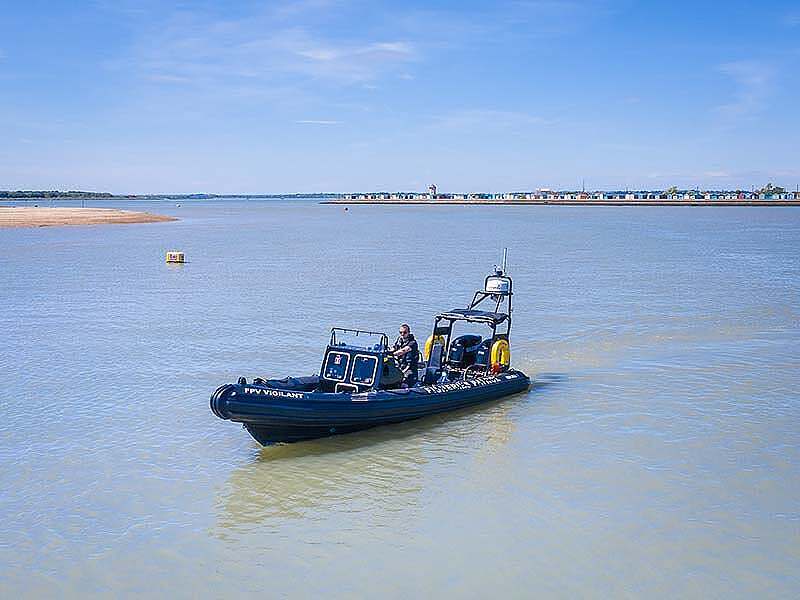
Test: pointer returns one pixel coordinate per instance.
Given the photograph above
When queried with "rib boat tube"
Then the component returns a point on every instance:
(359, 385)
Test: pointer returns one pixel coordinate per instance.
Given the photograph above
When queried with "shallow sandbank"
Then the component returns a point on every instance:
(48, 217)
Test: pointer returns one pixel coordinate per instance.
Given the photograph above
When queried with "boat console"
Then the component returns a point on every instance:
(351, 367)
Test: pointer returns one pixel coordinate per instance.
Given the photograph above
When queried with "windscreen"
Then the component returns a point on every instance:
(364, 368)
(335, 366)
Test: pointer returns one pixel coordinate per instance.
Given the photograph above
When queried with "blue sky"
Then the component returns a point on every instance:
(323, 95)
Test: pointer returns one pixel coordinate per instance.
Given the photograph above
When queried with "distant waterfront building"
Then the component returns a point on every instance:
(545, 195)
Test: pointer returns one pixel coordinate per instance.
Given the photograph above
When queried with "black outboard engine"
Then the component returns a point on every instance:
(484, 353)
(463, 350)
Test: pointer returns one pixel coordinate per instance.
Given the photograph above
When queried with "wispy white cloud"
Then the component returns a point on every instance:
(285, 53)
(262, 49)
(752, 80)
(317, 122)
(398, 48)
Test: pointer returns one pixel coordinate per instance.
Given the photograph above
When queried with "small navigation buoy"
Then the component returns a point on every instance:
(175, 257)
(346, 209)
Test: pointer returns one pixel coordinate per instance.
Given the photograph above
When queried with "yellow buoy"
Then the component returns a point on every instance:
(174, 256)
(501, 353)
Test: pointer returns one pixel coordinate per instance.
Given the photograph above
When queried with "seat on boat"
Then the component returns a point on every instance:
(433, 369)
(391, 376)
(292, 384)
(326, 386)
(463, 350)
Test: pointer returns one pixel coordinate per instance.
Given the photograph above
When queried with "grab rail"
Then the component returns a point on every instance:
(383, 337)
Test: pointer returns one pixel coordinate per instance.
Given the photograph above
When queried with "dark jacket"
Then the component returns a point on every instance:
(410, 360)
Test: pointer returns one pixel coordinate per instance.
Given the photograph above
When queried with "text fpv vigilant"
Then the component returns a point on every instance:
(363, 385)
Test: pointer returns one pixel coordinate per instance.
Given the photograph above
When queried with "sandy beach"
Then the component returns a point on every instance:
(49, 217)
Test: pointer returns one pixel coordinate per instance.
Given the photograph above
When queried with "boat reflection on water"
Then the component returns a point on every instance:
(378, 470)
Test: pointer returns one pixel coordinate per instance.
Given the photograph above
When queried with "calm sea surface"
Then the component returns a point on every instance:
(658, 452)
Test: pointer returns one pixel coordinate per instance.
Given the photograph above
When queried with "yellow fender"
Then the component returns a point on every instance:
(438, 339)
(501, 353)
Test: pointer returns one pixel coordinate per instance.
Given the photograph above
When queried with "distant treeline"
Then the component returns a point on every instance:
(315, 195)
(38, 194)
(52, 194)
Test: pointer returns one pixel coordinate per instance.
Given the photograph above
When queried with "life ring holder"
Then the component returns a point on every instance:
(500, 354)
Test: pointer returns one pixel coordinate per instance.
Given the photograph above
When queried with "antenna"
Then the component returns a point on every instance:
(505, 259)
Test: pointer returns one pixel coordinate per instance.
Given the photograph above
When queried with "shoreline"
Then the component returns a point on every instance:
(24, 216)
(577, 202)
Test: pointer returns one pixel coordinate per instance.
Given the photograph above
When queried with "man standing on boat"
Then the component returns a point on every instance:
(406, 351)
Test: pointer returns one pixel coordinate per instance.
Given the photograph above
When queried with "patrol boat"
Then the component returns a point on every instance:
(359, 384)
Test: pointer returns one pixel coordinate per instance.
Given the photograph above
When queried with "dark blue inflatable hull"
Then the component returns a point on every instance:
(282, 412)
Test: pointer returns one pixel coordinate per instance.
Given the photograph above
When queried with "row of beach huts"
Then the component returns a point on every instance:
(549, 195)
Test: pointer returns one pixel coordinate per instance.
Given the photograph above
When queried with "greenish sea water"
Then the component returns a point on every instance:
(655, 455)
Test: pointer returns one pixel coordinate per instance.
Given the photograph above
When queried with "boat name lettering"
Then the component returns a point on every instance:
(274, 393)
(461, 385)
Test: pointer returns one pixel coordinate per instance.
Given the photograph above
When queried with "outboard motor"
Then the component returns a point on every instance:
(463, 350)
(484, 353)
